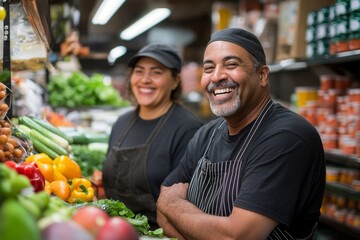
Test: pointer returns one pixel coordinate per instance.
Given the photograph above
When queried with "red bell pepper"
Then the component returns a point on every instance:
(31, 171)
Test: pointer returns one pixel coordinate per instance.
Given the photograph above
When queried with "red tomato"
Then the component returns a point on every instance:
(91, 218)
(117, 228)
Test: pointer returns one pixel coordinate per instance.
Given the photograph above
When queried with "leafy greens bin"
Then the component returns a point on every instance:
(78, 89)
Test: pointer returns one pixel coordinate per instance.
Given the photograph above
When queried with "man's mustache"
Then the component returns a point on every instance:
(222, 84)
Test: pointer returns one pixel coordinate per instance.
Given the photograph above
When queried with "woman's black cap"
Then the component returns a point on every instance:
(166, 55)
(244, 39)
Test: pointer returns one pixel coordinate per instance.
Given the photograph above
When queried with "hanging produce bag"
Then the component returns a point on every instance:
(29, 44)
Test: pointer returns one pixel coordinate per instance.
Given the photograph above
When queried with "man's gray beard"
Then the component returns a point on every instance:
(221, 111)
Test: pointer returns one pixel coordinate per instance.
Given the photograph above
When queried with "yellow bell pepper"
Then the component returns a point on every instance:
(39, 157)
(67, 167)
(82, 190)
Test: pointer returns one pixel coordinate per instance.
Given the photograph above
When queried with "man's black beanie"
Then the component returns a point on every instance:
(244, 39)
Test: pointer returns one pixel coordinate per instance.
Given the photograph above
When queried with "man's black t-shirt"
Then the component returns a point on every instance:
(283, 169)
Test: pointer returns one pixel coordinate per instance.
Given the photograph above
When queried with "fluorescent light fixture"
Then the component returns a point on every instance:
(106, 10)
(115, 53)
(149, 20)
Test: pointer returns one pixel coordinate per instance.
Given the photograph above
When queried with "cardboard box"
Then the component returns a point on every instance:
(292, 25)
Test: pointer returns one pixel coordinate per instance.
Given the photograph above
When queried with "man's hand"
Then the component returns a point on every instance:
(168, 197)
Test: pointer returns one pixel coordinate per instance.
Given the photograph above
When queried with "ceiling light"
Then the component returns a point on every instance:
(106, 11)
(115, 53)
(149, 20)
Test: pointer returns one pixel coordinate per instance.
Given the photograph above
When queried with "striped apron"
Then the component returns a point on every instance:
(214, 186)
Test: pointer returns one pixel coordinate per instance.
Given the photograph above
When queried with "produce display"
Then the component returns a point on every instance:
(46, 194)
(46, 188)
(79, 90)
(46, 175)
(42, 216)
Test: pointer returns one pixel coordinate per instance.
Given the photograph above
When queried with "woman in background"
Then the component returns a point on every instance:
(147, 143)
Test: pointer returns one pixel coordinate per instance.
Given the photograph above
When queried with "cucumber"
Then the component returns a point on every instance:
(53, 146)
(42, 148)
(27, 121)
(45, 124)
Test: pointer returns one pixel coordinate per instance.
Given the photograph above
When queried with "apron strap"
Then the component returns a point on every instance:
(161, 123)
(127, 129)
(254, 129)
(212, 137)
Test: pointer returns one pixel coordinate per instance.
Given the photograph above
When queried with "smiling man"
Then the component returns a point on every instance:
(257, 171)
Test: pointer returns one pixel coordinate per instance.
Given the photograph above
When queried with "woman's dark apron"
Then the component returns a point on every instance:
(131, 185)
(214, 186)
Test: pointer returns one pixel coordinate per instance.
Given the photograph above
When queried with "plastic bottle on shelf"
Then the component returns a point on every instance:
(2, 18)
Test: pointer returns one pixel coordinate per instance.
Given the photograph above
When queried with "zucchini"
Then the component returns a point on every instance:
(43, 131)
(97, 137)
(78, 138)
(45, 124)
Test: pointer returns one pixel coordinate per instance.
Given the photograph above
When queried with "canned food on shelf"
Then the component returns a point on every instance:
(322, 31)
(311, 49)
(305, 94)
(354, 22)
(329, 141)
(342, 7)
(310, 34)
(332, 14)
(327, 82)
(332, 174)
(323, 47)
(311, 18)
(354, 5)
(323, 15)
(342, 26)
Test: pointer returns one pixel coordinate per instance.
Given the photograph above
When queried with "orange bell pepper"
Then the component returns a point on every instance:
(67, 167)
(82, 190)
(59, 176)
(47, 187)
(61, 189)
(47, 170)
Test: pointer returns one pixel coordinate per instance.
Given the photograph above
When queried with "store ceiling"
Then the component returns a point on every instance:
(189, 26)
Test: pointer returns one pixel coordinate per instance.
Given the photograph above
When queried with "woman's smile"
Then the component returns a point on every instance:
(146, 90)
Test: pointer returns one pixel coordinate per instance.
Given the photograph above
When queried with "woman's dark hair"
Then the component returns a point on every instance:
(175, 94)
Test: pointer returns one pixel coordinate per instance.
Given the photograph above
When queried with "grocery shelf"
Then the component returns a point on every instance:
(292, 64)
(348, 56)
(288, 65)
(335, 156)
(343, 190)
(343, 228)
